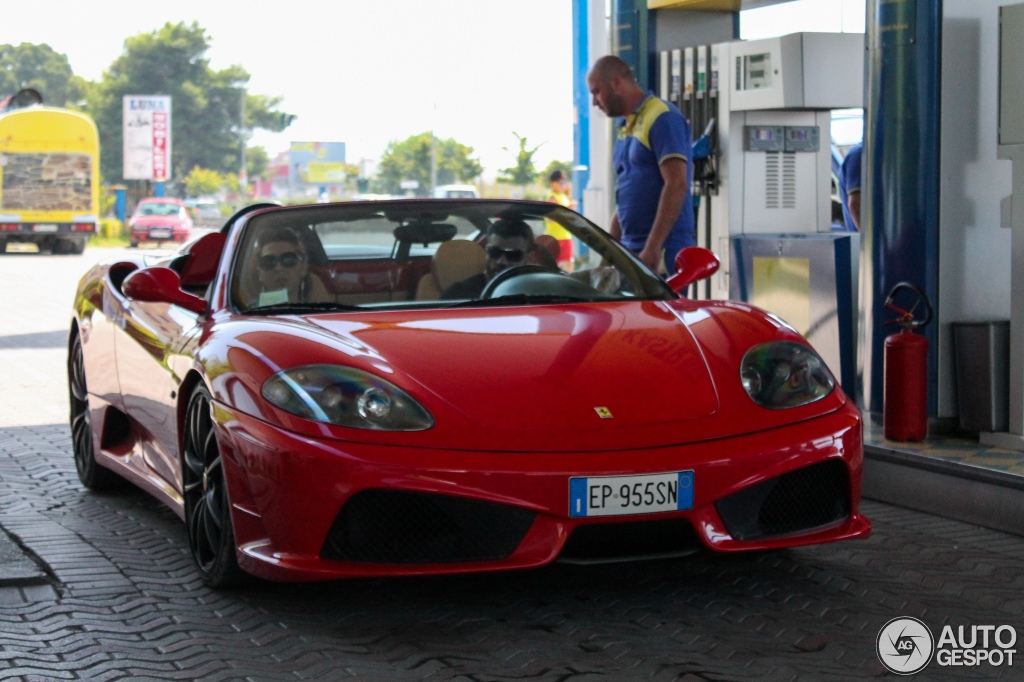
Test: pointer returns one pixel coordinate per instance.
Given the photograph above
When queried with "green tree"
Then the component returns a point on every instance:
(206, 105)
(203, 181)
(410, 160)
(231, 183)
(41, 68)
(523, 172)
(257, 161)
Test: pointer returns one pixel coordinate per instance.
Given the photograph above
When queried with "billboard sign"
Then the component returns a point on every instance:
(147, 137)
(316, 163)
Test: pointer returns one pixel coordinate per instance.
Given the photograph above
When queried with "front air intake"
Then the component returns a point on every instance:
(797, 502)
(399, 527)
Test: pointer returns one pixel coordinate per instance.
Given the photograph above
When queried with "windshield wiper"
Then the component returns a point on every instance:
(523, 299)
(299, 308)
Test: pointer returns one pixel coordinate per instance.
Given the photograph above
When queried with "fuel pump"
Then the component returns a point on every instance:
(705, 152)
(677, 78)
(762, 172)
(771, 206)
(700, 109)
(690, 80)
(688, 85)
(704, 183)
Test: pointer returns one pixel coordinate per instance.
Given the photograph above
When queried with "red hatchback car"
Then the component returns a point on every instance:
(160, 219)
(361, 389)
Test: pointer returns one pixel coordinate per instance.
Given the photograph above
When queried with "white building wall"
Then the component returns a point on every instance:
(974, 250)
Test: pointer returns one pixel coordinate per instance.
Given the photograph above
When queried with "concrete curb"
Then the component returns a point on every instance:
(962, 492)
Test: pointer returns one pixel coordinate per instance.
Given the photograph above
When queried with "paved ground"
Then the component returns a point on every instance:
(113, 596)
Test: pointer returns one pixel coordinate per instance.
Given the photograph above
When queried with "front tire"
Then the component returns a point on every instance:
(90, 473)
(211, 538)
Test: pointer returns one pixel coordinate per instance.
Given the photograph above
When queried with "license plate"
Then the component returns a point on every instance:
(625, 495)
(44, 227)
(160, 233)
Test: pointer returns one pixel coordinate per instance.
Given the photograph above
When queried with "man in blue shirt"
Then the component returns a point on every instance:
(849, 187)
(653, 206)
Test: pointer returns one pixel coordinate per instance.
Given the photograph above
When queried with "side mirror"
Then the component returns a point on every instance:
(693, 264)
(161, 285)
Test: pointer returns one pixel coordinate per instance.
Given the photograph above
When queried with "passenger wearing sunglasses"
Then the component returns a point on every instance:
(508, 243)
(283, 272)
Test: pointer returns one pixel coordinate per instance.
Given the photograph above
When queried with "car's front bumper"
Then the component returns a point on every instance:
(308, 509)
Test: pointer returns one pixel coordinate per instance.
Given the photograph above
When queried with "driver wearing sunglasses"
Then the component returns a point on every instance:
(508, 243)
(282, 270)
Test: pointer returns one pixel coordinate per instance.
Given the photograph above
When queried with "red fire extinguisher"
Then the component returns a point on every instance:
(905, 401)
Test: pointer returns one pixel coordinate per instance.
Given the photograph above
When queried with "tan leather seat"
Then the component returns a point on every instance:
(453, 262)
(545, 251)
(316, 290)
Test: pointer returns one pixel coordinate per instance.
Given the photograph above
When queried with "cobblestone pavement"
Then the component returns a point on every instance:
(118, 598)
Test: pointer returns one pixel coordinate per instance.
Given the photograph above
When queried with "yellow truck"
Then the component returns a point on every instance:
(49, 175)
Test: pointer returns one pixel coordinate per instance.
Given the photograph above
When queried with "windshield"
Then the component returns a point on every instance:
(429, 254)
(159, 209)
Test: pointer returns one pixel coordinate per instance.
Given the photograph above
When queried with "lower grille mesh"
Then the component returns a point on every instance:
(393, 526)
(799, 501)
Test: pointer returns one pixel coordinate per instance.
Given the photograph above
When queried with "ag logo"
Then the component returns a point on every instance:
(905, 645)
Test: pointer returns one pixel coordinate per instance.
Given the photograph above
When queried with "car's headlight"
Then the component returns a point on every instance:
(783, 374)
(346, 397)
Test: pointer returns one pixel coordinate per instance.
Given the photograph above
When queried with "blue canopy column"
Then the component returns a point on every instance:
(580, 100)
(900, 191)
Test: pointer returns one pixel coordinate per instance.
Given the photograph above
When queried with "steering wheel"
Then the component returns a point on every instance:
(511, 273)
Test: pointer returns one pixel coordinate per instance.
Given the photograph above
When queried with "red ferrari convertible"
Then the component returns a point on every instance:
(412, 387)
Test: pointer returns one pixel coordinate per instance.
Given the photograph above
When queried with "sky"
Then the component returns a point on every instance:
(363, 72)
(367, 72)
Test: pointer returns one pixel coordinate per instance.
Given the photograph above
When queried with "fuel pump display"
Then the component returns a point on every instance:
(754, 71)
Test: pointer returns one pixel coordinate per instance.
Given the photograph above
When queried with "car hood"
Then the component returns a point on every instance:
(608, 376)
(590, 371)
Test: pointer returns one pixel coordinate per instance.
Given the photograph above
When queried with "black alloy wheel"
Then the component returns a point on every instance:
(207, 509)
(90, 473)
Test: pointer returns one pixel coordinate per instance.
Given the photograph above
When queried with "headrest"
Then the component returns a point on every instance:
(457, 260)
(549, 244)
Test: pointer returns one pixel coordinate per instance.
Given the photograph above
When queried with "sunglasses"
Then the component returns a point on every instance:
(289, 259)
(511, 255)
